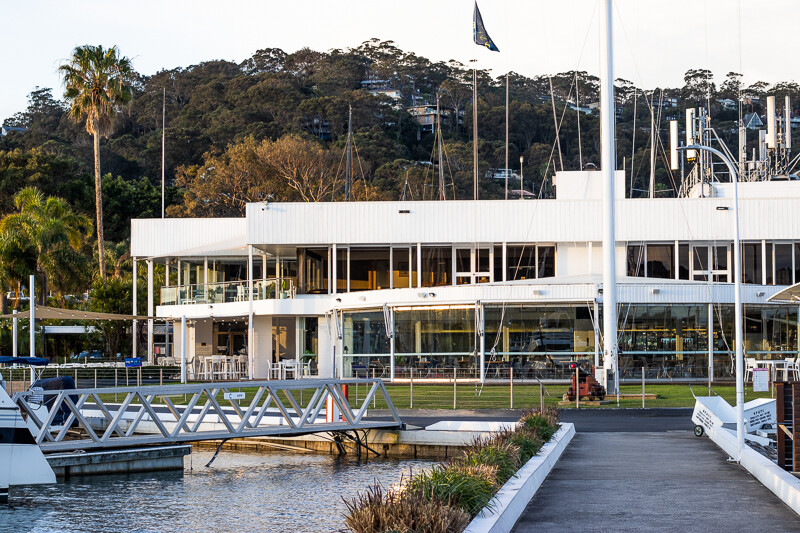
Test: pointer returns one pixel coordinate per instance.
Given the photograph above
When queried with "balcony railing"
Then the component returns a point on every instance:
(229, 291)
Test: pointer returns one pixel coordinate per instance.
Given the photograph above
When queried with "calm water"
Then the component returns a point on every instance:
(239, 492)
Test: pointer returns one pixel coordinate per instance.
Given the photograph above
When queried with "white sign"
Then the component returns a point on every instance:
(760, 379)
(233, 396)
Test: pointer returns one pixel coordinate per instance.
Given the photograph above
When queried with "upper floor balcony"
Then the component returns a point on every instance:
(229, 291)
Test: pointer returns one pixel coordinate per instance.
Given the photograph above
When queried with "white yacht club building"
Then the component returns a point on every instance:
(477, 286)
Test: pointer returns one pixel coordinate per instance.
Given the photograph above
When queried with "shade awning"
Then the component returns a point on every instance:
(54, 313)
(787, 295)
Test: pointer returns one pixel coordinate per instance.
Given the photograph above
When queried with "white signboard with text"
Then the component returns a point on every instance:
(760, 379)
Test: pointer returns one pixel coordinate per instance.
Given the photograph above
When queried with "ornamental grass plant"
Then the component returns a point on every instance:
(446, 497)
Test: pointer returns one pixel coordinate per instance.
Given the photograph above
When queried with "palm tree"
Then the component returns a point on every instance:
(98, 82)
(46, 236)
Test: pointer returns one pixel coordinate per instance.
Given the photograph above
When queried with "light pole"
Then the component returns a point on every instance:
(521, 176)
(737, 284)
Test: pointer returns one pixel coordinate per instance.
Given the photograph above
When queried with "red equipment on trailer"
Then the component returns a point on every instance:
(589, 388)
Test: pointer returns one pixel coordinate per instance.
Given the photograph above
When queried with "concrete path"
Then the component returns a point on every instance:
(651, 481)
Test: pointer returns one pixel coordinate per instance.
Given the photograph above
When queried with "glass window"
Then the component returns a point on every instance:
(436, 266)
(683, 261)
(797, 262)
(369, 269)
(365, 333)
(431, 340)
(521, 262)
(636, 261)
(546, 261)
(341, 270)
(768, 265)
(482, 256)
(783, 264)
(463, 261)
(660, 261)
(316, 270)
(751, 263)
(401, 269)
(498, 263)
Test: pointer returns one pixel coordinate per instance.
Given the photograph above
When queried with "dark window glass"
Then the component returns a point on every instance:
(369, 269)
(683, 261)
(400, 269)
(547, 261)
(498, 263)
(636, 261)
(521, 262)
(768, 265)
(660, 261)
(463, 260)
(751, 263)
(783, 264)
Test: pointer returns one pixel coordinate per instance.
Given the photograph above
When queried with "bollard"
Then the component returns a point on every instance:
(374, 397)
(411, 391)
(56, 367)
(139, 377)
(95, 378)
(541, 396)
(127, 378)
(454, 388)
(511, 387)
(642, 387)
(76, 378)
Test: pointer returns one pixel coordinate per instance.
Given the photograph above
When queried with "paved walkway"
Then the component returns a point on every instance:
(652, 481)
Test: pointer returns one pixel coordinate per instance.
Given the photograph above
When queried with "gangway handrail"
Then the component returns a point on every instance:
(131, 421)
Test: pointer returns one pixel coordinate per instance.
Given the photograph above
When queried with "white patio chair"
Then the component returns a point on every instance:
(791, 370)
(749, 365)
(291, 366)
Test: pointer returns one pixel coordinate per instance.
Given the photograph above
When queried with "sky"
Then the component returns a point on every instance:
(656, 41)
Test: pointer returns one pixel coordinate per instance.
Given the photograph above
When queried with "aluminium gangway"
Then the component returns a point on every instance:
(149, 415)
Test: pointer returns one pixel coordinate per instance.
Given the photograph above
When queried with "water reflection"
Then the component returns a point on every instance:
(240, 492)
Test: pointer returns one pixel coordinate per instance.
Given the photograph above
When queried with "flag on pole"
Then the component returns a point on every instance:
(479, 31)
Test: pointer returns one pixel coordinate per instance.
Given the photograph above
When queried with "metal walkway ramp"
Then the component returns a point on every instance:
(96, 418)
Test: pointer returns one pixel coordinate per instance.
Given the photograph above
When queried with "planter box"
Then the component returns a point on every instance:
(511, 500)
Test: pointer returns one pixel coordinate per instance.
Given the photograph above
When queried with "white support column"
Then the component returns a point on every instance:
(391, 266)
(14, 322)
(419, 265)
(205, 279)
(135, 324)
(710, 342)
(183, 349)
(32, 321)
(677, 264)
(391, 347)
(150, 355)
(250, 328)
(334, 272)
(179, 271)
(763, 262)
(505, 261)
(329, 270)
(166, 272)
(482, 339)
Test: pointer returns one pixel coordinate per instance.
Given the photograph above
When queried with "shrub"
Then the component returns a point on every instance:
(402, 512)
(468, 487)
(541, 423)
(499, 453)
(528, 444)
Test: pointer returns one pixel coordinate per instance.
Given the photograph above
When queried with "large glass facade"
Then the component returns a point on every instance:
(366, 346)
(433, 339)
(369, 269)
(537, 341)
(671, 342)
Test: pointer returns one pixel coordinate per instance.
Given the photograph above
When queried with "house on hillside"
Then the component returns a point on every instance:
(753, 122)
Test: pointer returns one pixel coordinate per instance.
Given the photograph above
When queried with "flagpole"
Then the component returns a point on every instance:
(474, 130)
(506, 169)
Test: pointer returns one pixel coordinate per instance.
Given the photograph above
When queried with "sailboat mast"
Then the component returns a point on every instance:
(607, 165)
(349, 153)
(163, 144)
(439, 148)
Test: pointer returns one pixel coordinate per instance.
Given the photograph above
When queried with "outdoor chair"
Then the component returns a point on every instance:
(290, 366)
(749, 365)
